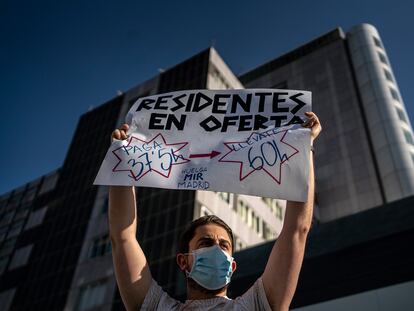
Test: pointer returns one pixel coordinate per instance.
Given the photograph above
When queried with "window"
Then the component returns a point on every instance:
(382, 58)
(6, 298)
(16, 228)
(394, 94)
(100, 247)
(279, 212)
(268, 234)
(377, 42)
(388, 75)
(49, 182)
(36, 218)
(22, 211)
(21, 257)
(8, 246)
(274, 206)
(3, 233)
(6, 218)
(409, 137)
(225, 196)
(238, 244)
(30, 194)
(401, 115)
(244, 213)
(15, 199)
(90, 296)
(3, 263)
(256, 224)
(218, 78)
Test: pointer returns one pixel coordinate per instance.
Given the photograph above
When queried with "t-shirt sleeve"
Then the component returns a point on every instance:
(157, 299)
(255, 298)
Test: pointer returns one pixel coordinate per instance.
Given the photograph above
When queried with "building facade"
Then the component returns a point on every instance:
(365, 156)
(55, 251)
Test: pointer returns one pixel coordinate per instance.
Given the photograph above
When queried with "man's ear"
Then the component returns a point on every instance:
(181, 261)
(234, 266)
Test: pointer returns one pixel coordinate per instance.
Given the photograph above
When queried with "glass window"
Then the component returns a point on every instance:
(49, 182)
(3, 233)
(3, 263)
(90, 296)
(409, 137)
(394, 94)
(279, 212)
(377, 42)
(225, 196)
(3, 202)
(8, 246)
(274, 206)
(7, 217)
(30, 194)
(401, 115)
(6, 298)
(21, 257)
(16, 228)
(100, 246)
(382, 58)
(388, 75)
(36, 218)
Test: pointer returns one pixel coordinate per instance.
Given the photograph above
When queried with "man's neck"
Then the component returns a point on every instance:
(195, 294)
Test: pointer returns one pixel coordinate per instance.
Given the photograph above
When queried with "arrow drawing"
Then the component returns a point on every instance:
(210, 155)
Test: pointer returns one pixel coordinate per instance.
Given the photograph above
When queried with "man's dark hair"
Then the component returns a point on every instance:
(189, 233)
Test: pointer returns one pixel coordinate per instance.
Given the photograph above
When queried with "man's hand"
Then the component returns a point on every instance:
(314, 124)
(131, 268)
(281, 274)
(121, 133)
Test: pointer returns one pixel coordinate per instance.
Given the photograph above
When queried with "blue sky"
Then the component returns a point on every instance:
(59, 58)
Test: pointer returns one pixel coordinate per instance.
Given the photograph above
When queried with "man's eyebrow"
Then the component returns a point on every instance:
(205, 238)
(210, 238)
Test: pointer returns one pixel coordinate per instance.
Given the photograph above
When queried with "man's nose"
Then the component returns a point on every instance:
(217, 242)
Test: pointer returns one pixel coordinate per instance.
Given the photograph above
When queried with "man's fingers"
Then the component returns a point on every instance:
(121, 133)
(124, 127)
(116, 134)
(309, 123)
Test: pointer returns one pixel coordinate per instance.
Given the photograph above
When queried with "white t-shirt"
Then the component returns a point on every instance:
(252, 300)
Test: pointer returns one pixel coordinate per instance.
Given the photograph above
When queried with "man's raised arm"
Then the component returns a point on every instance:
(281, 274)
(131, 268)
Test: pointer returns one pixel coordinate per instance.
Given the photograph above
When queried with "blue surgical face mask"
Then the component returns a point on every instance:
(212, 267)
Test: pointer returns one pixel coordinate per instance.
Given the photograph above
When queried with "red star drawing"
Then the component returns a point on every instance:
(265, 151)
(139, 157)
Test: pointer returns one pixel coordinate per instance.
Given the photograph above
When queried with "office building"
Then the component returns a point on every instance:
(365, 156)
(64, 262)
(358, 262)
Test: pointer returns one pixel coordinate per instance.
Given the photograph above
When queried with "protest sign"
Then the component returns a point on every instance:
(247, 141)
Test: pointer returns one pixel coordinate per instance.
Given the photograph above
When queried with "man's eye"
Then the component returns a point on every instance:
(225, 246)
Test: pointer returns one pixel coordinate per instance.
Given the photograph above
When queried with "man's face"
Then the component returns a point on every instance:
(206, 236)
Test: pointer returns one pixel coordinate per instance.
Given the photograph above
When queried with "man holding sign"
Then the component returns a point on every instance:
(206, 248)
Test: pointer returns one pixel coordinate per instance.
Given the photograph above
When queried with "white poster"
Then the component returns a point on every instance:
(247, 141)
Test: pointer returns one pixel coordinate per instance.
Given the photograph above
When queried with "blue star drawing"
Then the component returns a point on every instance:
(139, 157)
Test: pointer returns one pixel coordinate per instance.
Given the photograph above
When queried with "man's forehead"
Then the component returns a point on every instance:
(211, 231)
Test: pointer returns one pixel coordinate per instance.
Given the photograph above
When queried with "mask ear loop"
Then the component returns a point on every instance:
(187, 273)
